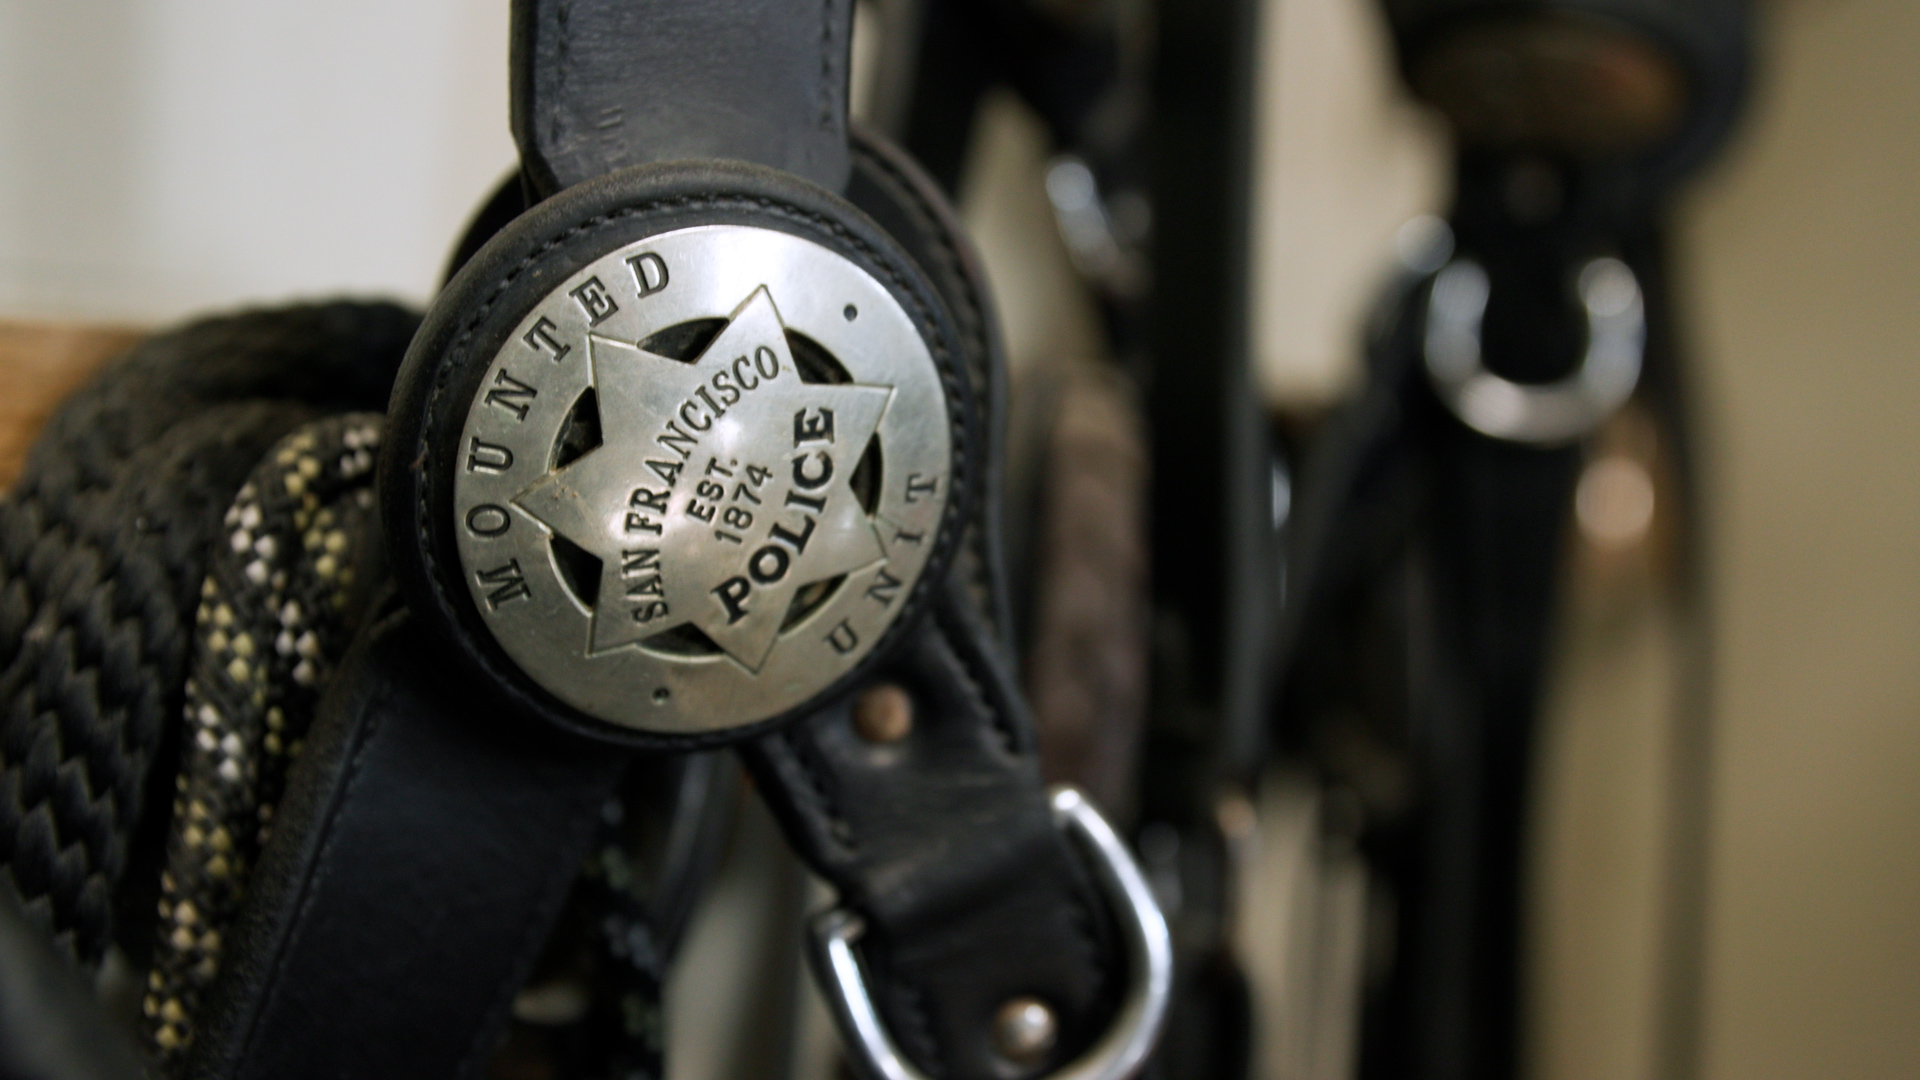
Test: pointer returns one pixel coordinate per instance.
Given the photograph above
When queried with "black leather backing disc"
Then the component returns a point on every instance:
(519, 267)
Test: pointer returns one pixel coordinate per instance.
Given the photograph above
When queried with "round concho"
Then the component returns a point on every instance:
(700, 477)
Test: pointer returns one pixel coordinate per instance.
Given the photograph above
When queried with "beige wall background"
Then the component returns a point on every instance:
(160, 157)
(1802, 259)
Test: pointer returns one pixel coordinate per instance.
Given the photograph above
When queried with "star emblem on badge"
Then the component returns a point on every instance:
(721, 488)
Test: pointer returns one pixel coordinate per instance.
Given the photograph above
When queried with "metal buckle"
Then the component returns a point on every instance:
(1538, 414)
(1119, 1054)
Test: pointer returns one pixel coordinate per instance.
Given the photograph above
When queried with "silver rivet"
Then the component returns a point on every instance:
(883, 714)
(1024, 1029)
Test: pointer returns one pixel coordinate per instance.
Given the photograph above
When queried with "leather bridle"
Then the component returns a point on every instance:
(439, 818)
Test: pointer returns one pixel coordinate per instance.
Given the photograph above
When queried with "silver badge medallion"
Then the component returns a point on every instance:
(699, 481)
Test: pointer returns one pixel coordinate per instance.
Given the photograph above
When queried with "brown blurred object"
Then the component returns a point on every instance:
(1577, 86)
(1624, 506)
(1086, 668)
(42, 364)
(883, 714)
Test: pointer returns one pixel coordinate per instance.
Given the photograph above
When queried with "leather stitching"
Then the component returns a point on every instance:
(910, 1006)
(929, 223)
(973, 325)
(1082, 917)
(976, 683)
(1081, 914)
(826, 807)
(826, 66)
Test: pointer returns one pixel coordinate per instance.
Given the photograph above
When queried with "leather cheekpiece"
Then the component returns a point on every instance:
(416, 866)
(943, 841)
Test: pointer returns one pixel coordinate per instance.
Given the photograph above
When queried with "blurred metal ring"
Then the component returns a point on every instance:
(1540, 414)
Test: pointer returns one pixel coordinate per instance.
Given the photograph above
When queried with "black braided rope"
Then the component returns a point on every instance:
(102, 554)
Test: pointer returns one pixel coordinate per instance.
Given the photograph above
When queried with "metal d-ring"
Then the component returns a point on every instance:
(1547, 413)
(1120, 1053)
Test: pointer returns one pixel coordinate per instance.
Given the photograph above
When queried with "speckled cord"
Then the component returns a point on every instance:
(282, 596)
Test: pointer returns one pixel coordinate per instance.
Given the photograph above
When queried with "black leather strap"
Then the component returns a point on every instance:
(943, 843)
(602, 84)
(416, 865)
